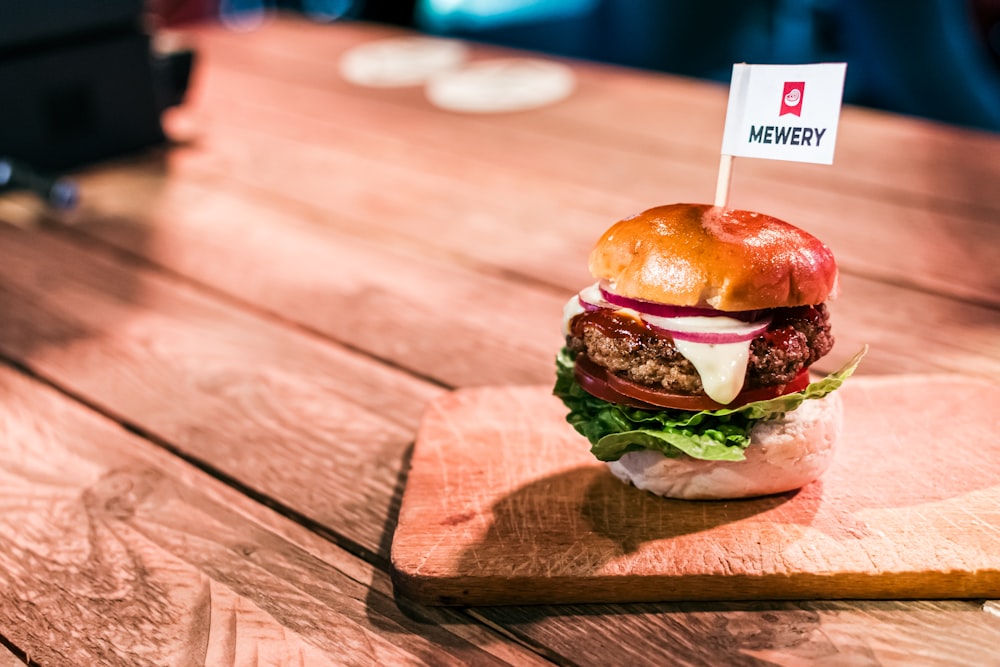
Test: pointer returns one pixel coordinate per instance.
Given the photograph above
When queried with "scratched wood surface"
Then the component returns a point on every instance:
(263, 404)
(105, 536)
(268, 305)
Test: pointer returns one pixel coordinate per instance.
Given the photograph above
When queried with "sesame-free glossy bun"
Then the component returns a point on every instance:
(702, 255)
(783, 455)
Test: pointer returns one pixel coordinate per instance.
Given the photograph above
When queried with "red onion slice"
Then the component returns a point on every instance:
(716, 337)
(724, 327)
(666, 310)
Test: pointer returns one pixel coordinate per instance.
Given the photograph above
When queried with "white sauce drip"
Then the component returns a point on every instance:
(571, 310)
(721, 366)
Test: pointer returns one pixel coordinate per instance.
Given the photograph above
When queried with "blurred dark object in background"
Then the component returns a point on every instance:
(396, 12)
(80, 82)
(59, 193)
(934, 58)
(986, 14)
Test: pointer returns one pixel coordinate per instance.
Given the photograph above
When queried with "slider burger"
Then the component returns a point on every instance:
(686, 364)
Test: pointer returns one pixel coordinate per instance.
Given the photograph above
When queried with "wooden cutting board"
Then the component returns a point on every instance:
(504, 504)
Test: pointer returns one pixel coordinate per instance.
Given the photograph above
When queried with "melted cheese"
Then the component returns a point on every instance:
(721, 366)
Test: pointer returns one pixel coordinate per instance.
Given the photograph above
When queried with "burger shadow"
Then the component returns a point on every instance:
(630, 518)
(580, 519)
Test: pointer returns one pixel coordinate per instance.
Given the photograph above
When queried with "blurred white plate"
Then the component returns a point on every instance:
(401, 61)
(492, 86)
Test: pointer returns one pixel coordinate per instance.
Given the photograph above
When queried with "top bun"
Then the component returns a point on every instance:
(701, 255)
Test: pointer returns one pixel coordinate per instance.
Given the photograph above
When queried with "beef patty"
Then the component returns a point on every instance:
(796, 338)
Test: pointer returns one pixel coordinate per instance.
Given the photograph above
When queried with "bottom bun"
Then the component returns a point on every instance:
(783, 455)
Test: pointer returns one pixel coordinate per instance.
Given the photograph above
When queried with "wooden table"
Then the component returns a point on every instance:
(212, 376)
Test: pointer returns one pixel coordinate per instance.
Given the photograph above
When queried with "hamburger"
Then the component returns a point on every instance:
(686, 363)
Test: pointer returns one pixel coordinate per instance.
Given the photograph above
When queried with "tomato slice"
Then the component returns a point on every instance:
(598, 381)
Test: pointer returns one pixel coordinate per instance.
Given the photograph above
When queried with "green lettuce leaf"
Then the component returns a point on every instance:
(711, 435)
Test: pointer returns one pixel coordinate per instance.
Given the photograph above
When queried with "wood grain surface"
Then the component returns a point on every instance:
(636, 113)
(101, 540)
(413, 279)
(262, 404)
(212, 373)
(600, 169)
(505, 504)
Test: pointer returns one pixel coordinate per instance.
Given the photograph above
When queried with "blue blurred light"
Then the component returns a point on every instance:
(447, 15)
(242, 14)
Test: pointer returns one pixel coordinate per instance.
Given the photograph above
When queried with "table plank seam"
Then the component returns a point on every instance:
(17, 651)
(277, 199)
(228, 299)
(870, 270)
(312, 525)
(522, 639)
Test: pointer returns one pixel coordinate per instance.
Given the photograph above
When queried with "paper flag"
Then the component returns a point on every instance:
(784, 112)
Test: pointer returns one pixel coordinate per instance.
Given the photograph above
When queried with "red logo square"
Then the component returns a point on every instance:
(791, 98)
